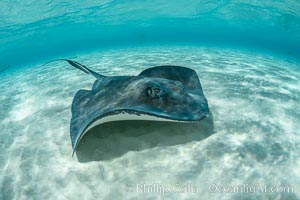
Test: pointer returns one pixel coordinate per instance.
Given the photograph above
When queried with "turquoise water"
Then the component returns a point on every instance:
(33, 30)
(246, 55)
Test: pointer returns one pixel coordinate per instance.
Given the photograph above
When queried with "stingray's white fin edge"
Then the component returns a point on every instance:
(123, 116)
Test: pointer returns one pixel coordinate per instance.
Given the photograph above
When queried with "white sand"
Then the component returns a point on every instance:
(254, 100)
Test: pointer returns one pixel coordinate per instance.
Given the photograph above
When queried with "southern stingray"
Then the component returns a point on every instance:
(162, 93)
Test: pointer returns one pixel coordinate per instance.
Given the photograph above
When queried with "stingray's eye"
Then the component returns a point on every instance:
(157, 90)
(154, 92)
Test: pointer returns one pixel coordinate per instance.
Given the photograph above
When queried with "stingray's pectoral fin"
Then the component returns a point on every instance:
(79, 66)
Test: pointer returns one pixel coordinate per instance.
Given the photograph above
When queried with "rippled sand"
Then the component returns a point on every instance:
(253, 137)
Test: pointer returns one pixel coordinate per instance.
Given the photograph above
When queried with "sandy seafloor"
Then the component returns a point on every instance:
(255, 139)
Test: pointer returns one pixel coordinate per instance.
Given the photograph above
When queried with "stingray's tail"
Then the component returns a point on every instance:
(4, 68)
(79, 66)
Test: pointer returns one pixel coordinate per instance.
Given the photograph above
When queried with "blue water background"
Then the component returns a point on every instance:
(32, 30)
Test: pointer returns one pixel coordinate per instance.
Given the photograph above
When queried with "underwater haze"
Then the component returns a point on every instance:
(246, 54)
(32, 29)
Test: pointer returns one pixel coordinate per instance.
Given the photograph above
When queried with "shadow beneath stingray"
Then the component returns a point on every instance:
(114, 139)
